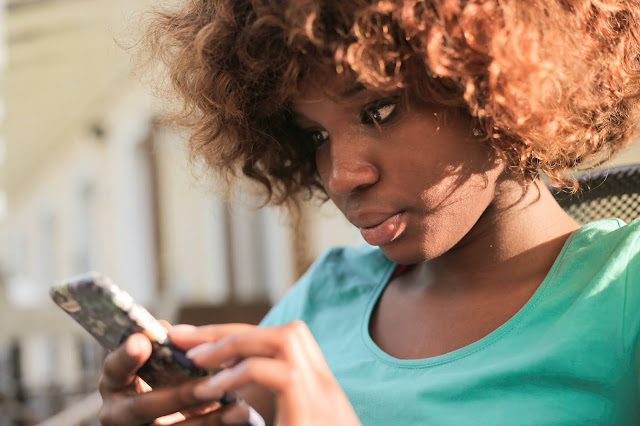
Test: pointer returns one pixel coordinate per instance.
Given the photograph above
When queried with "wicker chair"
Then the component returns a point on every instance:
(613, 192)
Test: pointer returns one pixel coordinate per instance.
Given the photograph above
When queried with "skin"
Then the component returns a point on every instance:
(479, 241)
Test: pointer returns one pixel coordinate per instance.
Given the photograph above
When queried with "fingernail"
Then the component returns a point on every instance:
(229, 363)
(196, 350)
(134, 345)
(210, 389)
(242, 414)
(255, 419)
(183, 328)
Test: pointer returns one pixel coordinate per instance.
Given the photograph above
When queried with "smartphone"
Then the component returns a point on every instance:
(111, 315)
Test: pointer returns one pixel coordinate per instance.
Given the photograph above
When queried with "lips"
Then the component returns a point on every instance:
(379, 228)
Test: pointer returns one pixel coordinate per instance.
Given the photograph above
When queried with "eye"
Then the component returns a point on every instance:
(378, 114)
(318, 137)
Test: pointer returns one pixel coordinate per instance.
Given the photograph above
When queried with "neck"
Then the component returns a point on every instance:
(517, 239)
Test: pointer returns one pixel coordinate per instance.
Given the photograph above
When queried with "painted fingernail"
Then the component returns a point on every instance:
(211, 388)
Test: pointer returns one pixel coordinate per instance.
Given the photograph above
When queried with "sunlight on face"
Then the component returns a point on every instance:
(409, 177)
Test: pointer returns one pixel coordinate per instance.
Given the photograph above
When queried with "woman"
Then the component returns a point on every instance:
(428, 124)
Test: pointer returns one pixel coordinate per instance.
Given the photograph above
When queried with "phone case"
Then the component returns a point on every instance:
(111, 315)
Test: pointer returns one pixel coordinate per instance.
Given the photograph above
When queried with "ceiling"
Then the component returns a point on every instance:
(63, 62)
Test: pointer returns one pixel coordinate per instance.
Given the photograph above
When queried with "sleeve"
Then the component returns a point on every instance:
(296, 302)
(290, 307)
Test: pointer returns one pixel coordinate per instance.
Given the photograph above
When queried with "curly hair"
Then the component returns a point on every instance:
(550, 84)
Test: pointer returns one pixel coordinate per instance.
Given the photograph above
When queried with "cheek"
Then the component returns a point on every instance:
(322, 164)
(460, 189)
(434, 232)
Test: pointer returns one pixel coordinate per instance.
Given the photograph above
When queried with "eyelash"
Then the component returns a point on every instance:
(379, 114)
(318, 137)
(372, 115)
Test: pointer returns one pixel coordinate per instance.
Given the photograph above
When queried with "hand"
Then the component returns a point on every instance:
(285, 359)
(128, 400)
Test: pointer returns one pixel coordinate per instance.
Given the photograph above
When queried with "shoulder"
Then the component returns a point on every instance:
(602, 257)
(605, 257)
(606, 242)
(337, 276)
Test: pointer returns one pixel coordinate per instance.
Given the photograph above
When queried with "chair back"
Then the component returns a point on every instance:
(613, 192)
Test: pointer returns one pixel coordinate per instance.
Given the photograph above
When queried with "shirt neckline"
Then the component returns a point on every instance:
(465, 351)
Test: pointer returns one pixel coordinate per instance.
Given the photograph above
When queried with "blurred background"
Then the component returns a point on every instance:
(91, 178)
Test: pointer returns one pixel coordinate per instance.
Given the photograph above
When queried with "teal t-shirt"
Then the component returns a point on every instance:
(568, 357)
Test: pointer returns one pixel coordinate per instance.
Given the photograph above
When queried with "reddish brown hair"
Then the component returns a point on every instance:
(552, 84)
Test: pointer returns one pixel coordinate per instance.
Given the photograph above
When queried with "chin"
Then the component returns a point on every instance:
(407, 252)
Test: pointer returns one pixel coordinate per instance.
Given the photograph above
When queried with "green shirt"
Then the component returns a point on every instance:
(568, 357)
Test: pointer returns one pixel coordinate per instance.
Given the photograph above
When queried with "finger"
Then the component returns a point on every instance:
(166, 324)
(201, 410)
(187, 336)
(213, 418)
(169, 420)
(147, 407)
(121, 365)
(235, 414)
(308, 343)
(289, 341)
(297, 331)
(247, 417)
(241, 413)
(268, 372)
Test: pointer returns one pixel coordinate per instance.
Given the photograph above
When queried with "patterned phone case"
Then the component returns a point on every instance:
(111, 315)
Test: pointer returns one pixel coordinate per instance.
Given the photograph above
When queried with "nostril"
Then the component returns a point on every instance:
(352, 176)
(362, 187)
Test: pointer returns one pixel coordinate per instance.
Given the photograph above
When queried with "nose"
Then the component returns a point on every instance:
(349, 170)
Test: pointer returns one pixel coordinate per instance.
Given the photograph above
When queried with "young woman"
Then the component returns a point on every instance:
(428, 124)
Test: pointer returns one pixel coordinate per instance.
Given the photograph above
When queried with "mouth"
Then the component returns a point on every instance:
(384, 229)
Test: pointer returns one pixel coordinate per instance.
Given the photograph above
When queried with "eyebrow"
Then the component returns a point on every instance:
(352, 91)
(299, 116)
(349, 93)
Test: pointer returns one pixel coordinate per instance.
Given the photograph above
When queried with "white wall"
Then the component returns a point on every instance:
(209, 242)
(133, 255)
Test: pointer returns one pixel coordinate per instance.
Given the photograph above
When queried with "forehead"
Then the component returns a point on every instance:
(316, 87)
(337, 92)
